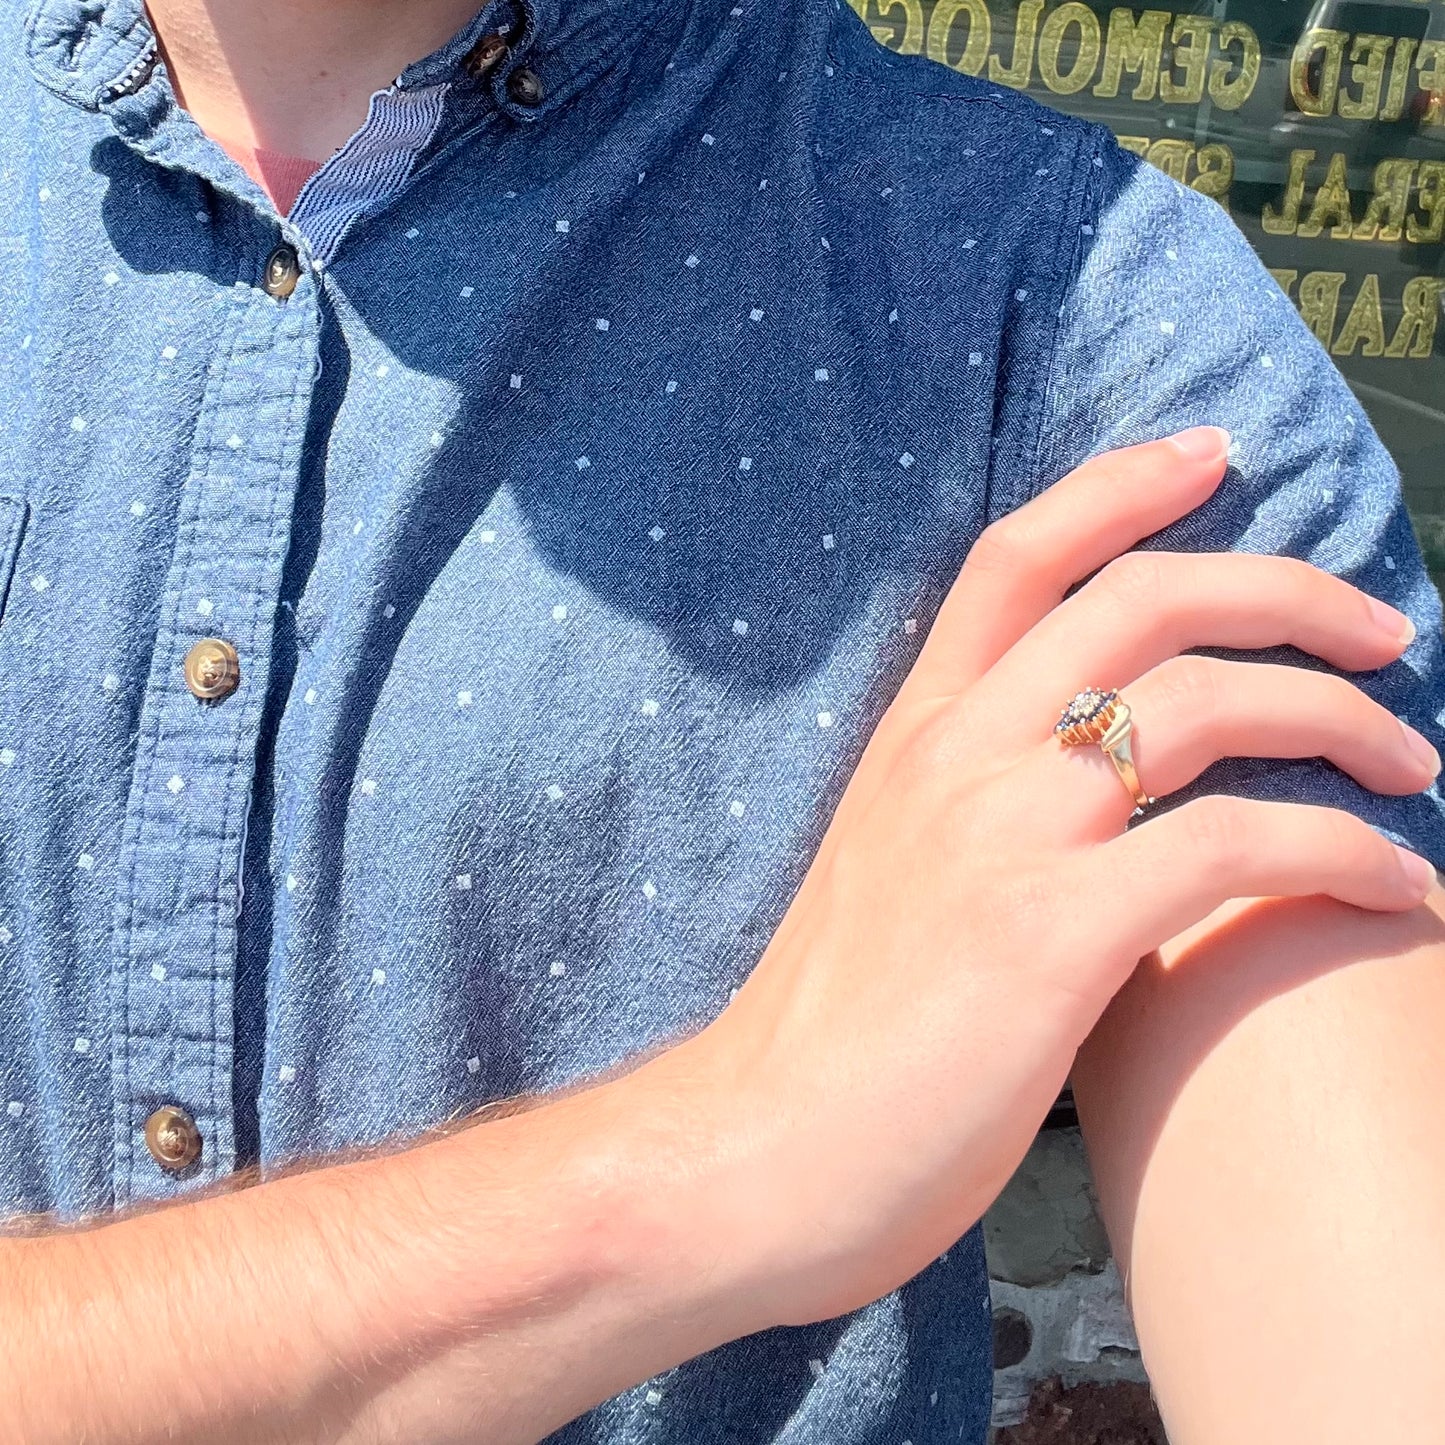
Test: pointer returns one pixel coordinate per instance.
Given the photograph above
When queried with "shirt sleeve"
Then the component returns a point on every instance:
(1171, 321)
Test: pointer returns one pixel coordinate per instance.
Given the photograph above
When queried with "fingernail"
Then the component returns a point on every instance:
(1395, 622)
(1419, 871)
(1420, 749)
(1202, 443)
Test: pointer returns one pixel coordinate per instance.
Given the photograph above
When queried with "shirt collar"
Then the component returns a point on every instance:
(84, 51)
(92, 51)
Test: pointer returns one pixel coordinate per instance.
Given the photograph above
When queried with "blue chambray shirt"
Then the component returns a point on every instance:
(574, 520)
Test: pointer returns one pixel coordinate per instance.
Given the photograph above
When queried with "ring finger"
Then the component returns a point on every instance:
(1189, 712)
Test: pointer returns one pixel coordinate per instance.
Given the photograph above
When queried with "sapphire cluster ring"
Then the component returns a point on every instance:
(1099, 715)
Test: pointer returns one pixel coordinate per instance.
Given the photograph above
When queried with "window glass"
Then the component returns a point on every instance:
(1318, 124)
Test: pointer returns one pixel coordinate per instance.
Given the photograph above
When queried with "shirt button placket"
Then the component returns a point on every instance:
(179, 890)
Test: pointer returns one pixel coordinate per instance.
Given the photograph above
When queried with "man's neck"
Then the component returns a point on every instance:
(294, 75)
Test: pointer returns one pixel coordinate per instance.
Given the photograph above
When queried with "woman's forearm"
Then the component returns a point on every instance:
(1262, 1111)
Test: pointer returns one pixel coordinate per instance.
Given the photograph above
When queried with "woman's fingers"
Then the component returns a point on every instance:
(1023, 564)
(1174, 870)
(1148, 606)
(1189, 712)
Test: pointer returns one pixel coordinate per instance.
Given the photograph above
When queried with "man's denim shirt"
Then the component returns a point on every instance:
(574, 520)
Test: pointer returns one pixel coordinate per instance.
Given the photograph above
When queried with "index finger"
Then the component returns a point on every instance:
(1022, 565)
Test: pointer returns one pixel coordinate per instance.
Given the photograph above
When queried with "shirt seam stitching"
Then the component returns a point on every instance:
(1033, 482)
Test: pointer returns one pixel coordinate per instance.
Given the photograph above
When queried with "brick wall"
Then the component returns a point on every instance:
(1059, 1311)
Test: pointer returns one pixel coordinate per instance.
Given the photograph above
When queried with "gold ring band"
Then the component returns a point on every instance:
(1099, 715)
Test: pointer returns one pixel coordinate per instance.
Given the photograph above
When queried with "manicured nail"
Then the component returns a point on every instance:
(1419, 871)
(1202, 443)
(1393, 621)
(1420, 749)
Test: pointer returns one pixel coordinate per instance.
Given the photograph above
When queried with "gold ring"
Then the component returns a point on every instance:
(1100, 715)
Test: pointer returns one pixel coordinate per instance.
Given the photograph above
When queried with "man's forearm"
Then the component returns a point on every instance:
(487, 1285)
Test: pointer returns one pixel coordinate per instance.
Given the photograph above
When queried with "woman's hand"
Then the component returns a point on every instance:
(976, 900)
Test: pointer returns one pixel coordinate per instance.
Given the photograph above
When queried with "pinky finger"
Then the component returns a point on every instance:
(1173, 871)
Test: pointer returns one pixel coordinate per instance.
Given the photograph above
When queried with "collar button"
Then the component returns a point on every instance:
(484, 55)
(524, 85)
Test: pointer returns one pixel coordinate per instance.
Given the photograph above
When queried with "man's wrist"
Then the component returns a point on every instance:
(610, 1225)
(496, 1282)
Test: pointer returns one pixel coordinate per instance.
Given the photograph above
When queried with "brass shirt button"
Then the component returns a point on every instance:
(524, 85)
(283, 271)
(485, 54)
(172, 1137)
(212, 669)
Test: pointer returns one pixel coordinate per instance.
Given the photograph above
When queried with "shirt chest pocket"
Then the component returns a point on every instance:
(12, 524)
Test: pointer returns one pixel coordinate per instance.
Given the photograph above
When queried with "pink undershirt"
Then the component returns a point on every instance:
(280, 176)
